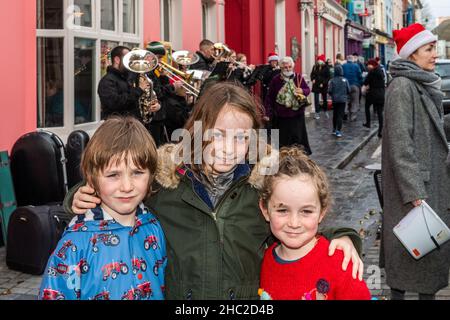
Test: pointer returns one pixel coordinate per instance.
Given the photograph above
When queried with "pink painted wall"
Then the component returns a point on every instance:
(192, 24)
(293, 29)
(18, 83)
(268, 28)
(152, 21)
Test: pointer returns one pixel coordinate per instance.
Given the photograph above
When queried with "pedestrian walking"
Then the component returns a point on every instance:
(353, 74)
(320, 75)
(339, 89)
(374, 83)
(415, 162)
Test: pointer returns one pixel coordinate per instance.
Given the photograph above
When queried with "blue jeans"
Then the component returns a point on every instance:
(317, 102)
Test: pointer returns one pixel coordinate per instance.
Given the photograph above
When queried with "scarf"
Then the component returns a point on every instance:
(430, 81)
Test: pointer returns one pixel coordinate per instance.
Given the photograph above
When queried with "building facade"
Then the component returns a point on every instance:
(63, 47)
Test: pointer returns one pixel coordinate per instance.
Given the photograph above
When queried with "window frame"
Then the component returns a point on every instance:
(97, 34)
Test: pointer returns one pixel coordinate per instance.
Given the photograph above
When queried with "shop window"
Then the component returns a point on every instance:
(84, 80)
(50, 81)
(71, 61)
(129, 16)
(131, 45)
(105, 51)
(107, 15)
(166, 9)
(49, 14)
(83, 13)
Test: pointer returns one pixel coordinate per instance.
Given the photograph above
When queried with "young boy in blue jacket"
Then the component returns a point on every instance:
(117, 250)
(339, 89)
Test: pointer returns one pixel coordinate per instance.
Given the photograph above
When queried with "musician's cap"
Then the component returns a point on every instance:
(156, 47)
(273, 57)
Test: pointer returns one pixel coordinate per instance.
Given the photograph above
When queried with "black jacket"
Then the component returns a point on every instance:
(375, 81)
(202, 64)
(117, 95)
(267, 76)
(321, 74)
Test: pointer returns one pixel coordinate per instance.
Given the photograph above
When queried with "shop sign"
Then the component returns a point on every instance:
(334, 13)
(355, 34)
(381, 39)
(359, 7)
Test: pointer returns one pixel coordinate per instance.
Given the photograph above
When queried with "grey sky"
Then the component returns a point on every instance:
(439, 8)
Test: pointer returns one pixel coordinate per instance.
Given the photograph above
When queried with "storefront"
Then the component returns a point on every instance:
(385, 46)
(333, 21)
(65, 46)
(354, 37)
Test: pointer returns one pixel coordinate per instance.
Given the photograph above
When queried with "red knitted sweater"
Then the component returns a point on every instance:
(316, 276)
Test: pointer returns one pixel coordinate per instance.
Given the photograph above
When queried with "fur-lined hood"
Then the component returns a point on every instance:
(169, 161)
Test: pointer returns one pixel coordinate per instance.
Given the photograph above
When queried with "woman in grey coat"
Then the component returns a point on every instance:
(415, 162)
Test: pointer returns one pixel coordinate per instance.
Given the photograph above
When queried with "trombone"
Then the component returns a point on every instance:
(183, 58)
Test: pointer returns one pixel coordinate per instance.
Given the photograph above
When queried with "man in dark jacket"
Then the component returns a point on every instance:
(320, 75)
(272, 70)
(205, 52)
(117, 95)
(375, 93)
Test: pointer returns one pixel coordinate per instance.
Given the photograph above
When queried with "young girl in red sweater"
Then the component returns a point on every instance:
(294, 201)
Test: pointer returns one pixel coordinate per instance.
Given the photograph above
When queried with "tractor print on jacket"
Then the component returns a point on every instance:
(99, 259)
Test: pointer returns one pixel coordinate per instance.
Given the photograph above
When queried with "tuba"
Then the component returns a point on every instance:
(141, 62)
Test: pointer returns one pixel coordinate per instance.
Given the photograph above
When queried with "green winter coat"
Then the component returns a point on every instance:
(211, 253)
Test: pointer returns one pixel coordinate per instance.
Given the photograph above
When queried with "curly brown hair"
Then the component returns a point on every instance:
(294, 162)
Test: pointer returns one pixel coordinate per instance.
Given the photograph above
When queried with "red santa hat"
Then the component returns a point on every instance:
(321, 58)
(273, 57)
(411, 38)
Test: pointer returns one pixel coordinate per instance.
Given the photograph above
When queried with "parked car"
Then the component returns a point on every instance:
(443, 70)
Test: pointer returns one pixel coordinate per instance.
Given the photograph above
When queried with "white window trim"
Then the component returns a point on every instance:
(68, 48)
(212, 12)
(280, 27)
(163, 20)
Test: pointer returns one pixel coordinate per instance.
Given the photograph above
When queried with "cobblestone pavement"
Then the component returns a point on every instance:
(355, 201)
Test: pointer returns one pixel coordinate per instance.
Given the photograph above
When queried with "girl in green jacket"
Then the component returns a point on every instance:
(209, 211)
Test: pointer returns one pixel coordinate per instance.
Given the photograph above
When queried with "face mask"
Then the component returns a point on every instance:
(320, 62)
(288, 74)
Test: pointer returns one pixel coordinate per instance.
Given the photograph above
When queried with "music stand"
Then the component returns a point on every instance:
(258, 74)
(220, 70)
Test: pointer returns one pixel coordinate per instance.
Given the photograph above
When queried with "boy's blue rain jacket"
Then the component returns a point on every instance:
(99, 259)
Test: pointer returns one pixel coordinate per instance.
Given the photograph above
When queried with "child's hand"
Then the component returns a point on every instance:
(84, 199)
(346, 245)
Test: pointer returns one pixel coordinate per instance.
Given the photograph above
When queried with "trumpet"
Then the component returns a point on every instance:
(222, 51)
(141, 62)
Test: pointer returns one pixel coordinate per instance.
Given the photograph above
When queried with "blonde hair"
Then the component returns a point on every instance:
(115, 140)
(293, 162)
